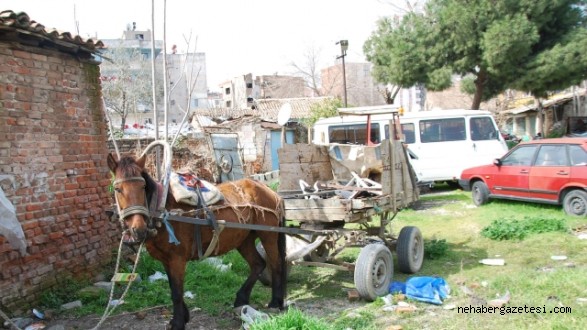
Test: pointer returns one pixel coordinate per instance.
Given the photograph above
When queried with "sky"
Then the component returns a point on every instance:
(261, 37)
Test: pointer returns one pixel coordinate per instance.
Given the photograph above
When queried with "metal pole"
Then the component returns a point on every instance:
(344, 78)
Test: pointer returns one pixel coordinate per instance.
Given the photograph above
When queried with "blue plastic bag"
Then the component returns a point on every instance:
(427, 289)
(397, 287)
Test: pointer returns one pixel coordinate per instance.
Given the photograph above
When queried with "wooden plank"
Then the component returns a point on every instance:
(303, 153)
(316, 203)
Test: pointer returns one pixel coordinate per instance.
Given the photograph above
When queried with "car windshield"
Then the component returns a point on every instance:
(522, 156)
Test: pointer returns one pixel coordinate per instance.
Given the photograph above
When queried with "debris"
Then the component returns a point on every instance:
(449, 306)
(492, 262)
(582, 300)
(499, 302)
(188, 294)
(484, 284)
(38, 314)
(394, 327)
(104, 285)
(19, 322)
(71, 305)
(558, 257)
(157, 276)
(249, 316)
(116, 302)
(140, 315)
(582, 236)
(404, 307)
(36, 326)
(353, 295)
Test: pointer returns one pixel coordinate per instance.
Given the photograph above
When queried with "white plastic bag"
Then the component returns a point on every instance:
(9, 225)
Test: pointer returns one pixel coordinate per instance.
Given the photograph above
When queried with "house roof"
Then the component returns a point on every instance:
(20, 28)
(300, 107)
(552, 101)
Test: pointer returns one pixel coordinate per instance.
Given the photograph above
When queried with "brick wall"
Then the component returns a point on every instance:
(53, 169)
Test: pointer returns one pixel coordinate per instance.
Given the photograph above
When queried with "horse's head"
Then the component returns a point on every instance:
(130, 190)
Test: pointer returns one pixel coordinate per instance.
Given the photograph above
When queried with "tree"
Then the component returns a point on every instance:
(126, 81)
(530, 45)
(309, 69)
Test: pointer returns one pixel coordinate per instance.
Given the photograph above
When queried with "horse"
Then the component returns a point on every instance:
(246, 201)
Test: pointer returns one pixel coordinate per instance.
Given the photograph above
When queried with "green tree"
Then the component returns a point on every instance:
(325, 109)
(529, 45)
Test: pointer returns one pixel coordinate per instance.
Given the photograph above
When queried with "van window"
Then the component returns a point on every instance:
(442, 130)
(353, 134)
(482, 129)
(408, 133)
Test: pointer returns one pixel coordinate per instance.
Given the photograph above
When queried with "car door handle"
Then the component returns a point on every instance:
(523, 171)
(562, 173)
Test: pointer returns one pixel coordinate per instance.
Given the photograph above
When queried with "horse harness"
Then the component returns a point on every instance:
(151, 206)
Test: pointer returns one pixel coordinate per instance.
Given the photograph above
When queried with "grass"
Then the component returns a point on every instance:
(452, 228)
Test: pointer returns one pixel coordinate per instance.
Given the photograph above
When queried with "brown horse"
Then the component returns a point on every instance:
(245, 201)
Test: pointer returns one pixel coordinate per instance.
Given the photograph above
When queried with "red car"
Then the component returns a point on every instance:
(552, 171)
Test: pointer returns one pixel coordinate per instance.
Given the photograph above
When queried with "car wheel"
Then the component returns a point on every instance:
(480, 193)
(575, 203)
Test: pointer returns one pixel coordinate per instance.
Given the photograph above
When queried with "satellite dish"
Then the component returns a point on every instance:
(284, 114)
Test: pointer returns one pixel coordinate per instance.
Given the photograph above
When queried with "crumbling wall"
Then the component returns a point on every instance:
(53, 170)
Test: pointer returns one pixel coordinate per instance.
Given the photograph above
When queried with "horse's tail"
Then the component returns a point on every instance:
(282, 250)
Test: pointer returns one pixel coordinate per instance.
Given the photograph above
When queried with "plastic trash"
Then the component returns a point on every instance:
(427, 289)
(157, 276)
(188, 294)
(493, 262)
(397, 287)
(558, 257)
(249, 316)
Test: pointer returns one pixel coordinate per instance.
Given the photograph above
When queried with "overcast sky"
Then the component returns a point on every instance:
(261, 37)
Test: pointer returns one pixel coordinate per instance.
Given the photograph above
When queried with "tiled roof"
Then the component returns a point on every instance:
(300, 107)
(19, 27)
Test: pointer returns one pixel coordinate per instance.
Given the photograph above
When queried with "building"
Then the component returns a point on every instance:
(188, 85)
(187, 79)
(361, 88)
(237, 93)
(279, 87)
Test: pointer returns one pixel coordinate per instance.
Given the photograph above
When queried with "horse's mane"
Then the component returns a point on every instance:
(129, 168)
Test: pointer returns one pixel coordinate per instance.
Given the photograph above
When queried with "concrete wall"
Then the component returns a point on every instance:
(53, 170)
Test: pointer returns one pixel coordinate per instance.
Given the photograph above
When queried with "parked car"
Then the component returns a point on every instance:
(552, 171)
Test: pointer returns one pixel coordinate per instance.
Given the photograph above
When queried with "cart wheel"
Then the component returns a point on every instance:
(265, 276)
(410, 250)
(373, 271)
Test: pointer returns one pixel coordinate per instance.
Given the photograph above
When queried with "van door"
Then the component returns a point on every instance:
(486, 144)
(438, 152)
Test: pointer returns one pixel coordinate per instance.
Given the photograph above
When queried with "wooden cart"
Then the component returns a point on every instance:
(347, 196)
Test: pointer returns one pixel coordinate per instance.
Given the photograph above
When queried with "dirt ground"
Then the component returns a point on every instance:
(155, 318)
(158, 318)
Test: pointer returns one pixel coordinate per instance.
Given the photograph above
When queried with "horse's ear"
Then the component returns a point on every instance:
(141, 161)
(112, 163)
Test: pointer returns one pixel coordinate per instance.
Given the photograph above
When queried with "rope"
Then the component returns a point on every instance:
(9, 320)
(109, 308)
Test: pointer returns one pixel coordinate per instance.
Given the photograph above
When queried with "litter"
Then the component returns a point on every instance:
(423, 288)
(188, 294)
(249, 316)
(157, 276)
(492, 262)
(558, 257)
(499, 302)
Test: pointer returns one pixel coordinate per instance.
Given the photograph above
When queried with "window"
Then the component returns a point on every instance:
(578, 156)
(227, 91)
(522, 156)
(195, 103)
(139, 36)
(482, 129)
(442, 130)
(408, 132)
(249, 100)
(353, 134)
(551, 155)
(249, 85)
(228, 104)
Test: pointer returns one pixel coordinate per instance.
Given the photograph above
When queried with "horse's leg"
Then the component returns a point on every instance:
(175, 272)
(274, 244)
(256, 265)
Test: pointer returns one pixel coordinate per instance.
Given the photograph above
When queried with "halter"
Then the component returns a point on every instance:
(134, 209)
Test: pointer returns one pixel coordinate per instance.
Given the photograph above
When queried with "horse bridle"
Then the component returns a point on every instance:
(134, 209)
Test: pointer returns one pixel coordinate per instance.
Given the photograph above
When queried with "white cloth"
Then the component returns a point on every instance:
(183, 187)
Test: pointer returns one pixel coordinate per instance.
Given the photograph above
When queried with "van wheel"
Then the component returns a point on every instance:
(575, 203)
(480, 193)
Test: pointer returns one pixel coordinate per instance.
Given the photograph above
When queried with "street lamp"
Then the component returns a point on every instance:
(344, 45)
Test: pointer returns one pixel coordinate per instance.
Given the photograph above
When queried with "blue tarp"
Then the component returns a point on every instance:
(423, 288)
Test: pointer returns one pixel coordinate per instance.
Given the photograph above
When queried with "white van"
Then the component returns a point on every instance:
(441, 143)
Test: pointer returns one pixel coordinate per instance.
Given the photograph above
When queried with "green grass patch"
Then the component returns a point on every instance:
(508, 229)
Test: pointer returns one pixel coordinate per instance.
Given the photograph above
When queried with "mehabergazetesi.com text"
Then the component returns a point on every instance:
(513, 310)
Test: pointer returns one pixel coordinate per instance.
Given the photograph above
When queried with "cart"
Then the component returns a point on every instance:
(346, 196)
